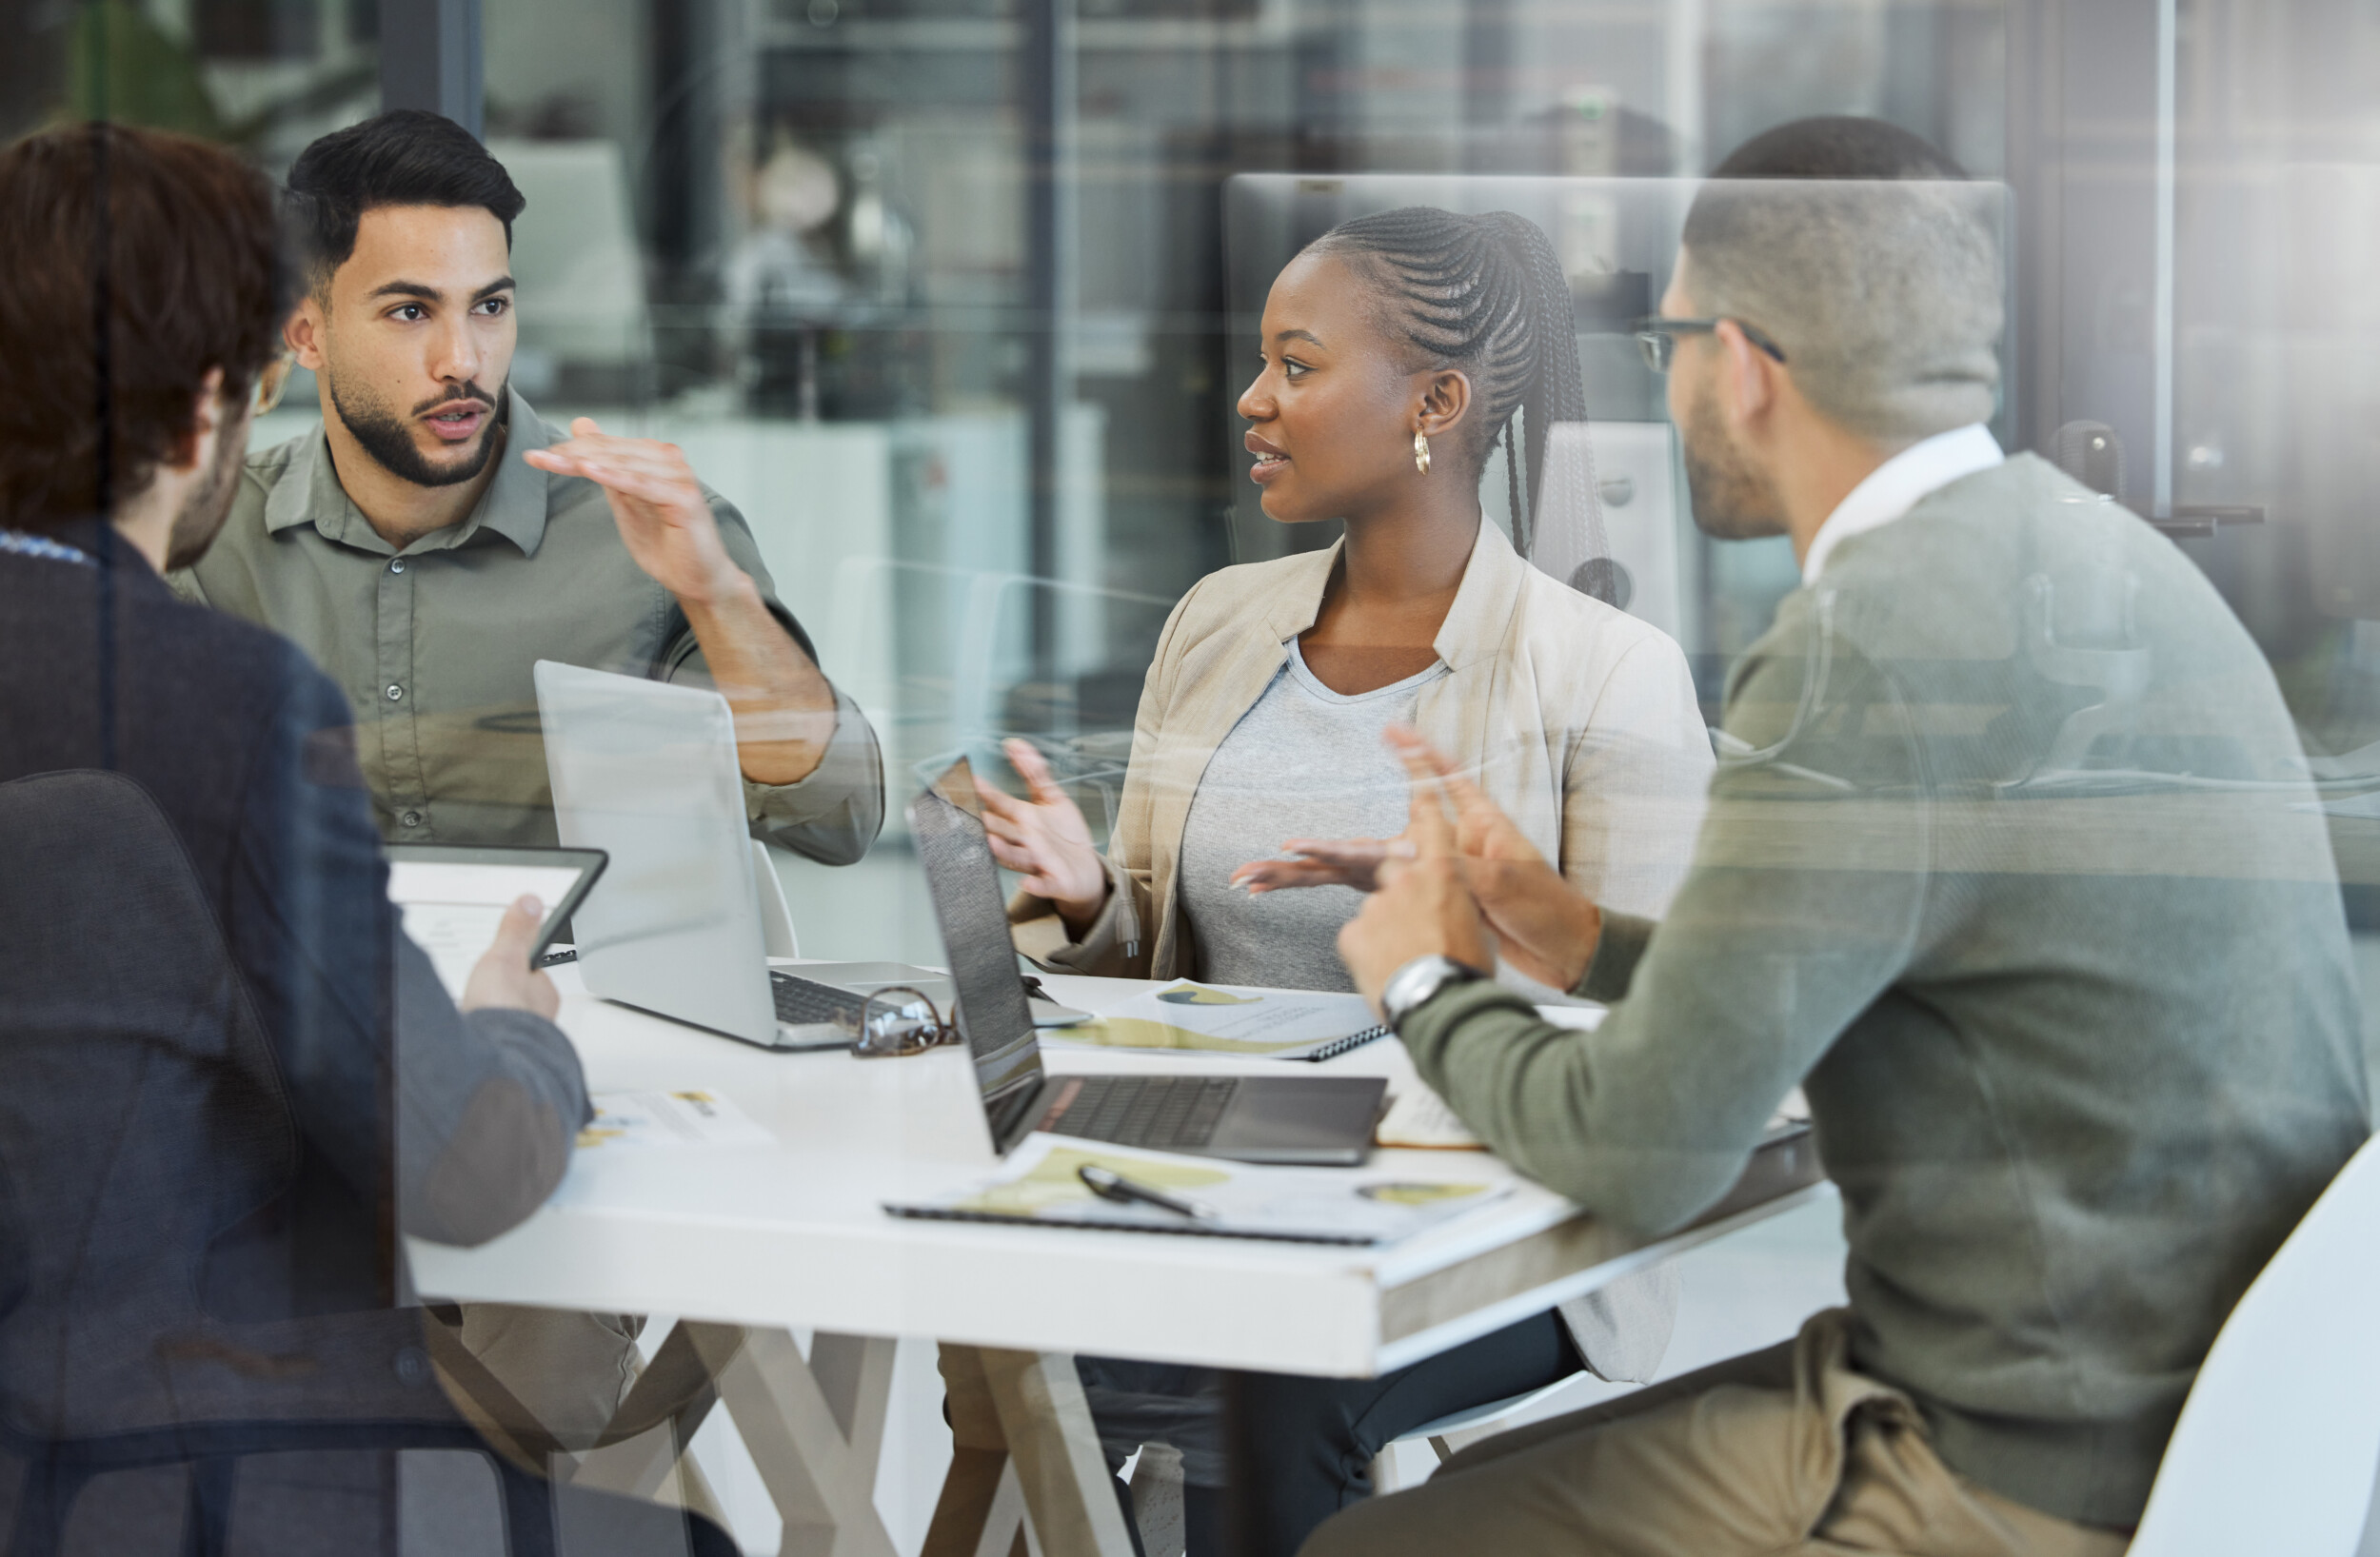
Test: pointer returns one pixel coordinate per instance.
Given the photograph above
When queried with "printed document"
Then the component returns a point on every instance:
(1041, 1182)
(1228, 1019)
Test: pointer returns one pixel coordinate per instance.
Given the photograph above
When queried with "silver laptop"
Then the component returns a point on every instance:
(1316, 1121)
(646, 772)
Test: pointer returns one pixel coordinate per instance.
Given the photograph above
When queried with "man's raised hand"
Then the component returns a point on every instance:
(1424, 907)
(665, 521)
(1547, 928)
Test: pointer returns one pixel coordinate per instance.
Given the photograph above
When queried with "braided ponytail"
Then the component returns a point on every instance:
(1486, 294)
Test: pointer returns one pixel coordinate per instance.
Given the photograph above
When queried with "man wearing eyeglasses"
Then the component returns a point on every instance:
(433, 540)
(2010, 863)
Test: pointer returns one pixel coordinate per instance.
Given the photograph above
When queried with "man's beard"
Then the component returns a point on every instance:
(210, 501)
(388, 438)
(1732, 501)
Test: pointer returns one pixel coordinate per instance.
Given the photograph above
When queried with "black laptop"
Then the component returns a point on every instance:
(1311, 1120)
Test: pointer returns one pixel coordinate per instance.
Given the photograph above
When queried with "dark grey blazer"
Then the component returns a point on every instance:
(226, 1078)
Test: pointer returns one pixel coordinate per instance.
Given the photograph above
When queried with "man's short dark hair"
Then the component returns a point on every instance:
(405, 157)
(178, 259)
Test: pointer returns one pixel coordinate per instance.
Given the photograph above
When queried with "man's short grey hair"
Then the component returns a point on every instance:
(1884, 297)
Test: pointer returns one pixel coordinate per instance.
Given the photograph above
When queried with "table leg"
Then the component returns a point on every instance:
(1018, 1419)
(815, 1428)
(823, 1483)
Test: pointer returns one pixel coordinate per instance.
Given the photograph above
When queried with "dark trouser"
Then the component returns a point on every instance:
(1304, 1446)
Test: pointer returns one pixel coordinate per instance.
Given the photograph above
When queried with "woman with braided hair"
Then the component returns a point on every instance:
(1397, 350)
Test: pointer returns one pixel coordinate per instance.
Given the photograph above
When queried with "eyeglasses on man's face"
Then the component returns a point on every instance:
(1658, 338)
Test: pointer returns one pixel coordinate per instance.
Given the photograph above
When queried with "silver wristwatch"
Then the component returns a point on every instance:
(1414, 983)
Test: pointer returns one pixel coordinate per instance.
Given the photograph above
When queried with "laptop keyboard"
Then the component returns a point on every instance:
(803, 1002)
(1165, 1113)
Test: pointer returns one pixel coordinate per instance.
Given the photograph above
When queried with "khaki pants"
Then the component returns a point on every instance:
(569, 1372)
(1783, 1451)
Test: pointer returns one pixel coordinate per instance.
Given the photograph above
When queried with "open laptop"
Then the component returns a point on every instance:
(1314, 1120)
(683, 922)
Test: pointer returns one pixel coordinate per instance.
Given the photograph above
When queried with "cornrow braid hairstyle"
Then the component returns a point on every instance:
(1485, 294)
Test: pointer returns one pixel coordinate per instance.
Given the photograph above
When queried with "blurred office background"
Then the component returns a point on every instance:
(938, 292)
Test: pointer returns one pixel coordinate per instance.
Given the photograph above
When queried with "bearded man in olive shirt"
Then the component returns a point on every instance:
(433, 540)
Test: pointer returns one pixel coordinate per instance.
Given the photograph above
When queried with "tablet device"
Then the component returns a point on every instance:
(451, 899)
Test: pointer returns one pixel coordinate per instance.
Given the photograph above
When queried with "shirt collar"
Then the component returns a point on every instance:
(1899, 484)
(1476, 623)
(513, 506)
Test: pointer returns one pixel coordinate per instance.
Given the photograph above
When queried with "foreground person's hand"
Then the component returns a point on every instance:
(1423, 906)
(1547, 928)
(1044, 839)
(503, 979)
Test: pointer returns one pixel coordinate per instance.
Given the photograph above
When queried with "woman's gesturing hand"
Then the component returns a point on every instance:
(1044, 839)
(1319, 862)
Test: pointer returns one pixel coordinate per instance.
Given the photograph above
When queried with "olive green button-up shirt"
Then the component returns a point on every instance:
(433, 643)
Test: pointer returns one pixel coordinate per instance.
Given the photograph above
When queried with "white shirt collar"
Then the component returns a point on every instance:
(1899, 484)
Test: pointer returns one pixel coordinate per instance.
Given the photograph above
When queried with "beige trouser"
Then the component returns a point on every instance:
(1783, 1451)
(568, 1372)
(541, 1381)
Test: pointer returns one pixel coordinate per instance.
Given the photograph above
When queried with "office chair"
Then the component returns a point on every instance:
(2275, 1445)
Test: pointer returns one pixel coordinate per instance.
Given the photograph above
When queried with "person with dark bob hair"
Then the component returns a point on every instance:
(229, 1079)
(1399, 350)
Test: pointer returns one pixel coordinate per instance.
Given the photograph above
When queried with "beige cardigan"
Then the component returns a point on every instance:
(1578, 719)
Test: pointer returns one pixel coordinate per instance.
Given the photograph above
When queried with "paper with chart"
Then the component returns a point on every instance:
(451, 911)
(1191, 1018)
(632, 1121)
(1041, 1182)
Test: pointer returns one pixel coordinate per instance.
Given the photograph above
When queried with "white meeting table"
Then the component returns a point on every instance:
(750, 1243)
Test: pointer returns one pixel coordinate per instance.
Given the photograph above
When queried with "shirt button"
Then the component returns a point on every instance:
(396, 693)
(412, 818)
(396, 564)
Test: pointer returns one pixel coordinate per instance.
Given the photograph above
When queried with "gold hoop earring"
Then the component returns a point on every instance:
(1421, 454)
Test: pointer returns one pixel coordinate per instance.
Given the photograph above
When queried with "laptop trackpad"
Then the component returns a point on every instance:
(868, 978)
(1324, 1120)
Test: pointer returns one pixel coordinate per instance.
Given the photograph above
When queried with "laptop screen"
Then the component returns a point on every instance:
(964, 883)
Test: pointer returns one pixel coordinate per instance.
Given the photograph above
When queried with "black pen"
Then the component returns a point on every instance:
(1109, 1185)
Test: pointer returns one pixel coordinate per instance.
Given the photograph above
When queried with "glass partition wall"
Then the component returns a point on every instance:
(938, 291)
(953, 298)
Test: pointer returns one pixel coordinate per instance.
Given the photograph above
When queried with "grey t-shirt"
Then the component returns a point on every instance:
(1303, 762)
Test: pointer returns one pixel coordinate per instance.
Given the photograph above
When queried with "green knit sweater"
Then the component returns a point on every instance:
(2014, 867)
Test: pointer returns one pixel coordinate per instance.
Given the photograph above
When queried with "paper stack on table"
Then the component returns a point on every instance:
(1040, 1184)
(1228, 1019)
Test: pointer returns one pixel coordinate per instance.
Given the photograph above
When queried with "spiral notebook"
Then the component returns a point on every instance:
(1190, 1017)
